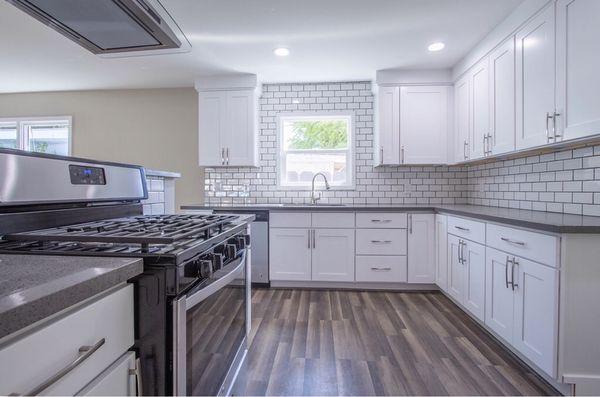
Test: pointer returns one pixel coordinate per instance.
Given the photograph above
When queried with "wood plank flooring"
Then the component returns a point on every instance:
(330, 342)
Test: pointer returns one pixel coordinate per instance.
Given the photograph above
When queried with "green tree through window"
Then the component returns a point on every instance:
(319, 134)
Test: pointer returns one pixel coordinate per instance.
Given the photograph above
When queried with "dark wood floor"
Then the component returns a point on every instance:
(313, 342)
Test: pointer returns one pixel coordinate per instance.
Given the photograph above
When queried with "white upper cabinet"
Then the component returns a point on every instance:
(502, 98)
(462, 118)
(387, 151)
(227, 122)
(424, 125)
(535, 66)
(578, 63)
(480, 110)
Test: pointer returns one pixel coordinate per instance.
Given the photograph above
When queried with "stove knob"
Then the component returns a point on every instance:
(217, 261)
(199, 268)
(247, 239)
(231, 250)
(240, 242)
(206, 268)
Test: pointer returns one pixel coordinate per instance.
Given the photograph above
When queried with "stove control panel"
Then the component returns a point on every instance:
(86, 175)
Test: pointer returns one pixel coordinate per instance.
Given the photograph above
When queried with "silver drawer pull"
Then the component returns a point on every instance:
(512, 241)
(85, 352)
(381, 269)
(381, 220)
(462, 228)
(381, 241)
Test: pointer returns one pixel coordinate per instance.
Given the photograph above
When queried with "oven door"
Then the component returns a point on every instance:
(209, 332)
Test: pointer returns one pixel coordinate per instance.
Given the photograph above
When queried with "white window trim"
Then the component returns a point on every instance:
(351, 151)
(23, 121)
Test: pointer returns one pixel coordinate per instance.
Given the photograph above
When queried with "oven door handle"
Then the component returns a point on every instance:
(196, 296)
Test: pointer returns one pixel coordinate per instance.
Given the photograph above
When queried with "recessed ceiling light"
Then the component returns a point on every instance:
(281, 52)
(436, 46)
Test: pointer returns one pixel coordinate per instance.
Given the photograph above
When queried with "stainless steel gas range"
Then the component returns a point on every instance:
(193, 299)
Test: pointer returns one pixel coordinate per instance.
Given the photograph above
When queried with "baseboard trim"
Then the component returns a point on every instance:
(405, 287)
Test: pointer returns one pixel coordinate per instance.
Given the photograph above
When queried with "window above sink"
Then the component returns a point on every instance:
(313, 143)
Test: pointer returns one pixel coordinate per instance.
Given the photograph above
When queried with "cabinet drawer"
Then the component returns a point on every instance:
(289, 219)
(116, 380)
(534, 246)
(376, 268)
(333, 219)
(381, 220)
(29, 361)
(466, 228)
(381, 241)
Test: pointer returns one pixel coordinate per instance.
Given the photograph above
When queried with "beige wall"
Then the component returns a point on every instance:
(156, 128)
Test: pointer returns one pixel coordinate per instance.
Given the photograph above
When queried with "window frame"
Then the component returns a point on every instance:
(22, 124)
(349, 151)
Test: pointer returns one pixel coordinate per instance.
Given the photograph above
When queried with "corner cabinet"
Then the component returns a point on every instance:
(409, 118)
(227, 126)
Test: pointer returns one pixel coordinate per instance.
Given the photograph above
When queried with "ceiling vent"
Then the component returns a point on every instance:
(109, 27)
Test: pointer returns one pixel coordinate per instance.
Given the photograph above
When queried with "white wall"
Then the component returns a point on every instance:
(156, 128)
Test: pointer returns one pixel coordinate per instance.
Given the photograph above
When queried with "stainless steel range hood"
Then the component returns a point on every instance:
(105, 26)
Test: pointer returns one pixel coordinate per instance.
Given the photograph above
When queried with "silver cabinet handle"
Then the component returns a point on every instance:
(512, 274)
(410, 223)
(314, 239)
(554, 134)
(309, 236)
(227, 155)
(465, 145)
(381, 220)
(222, 156)
(461, 259)
(85, 352)
(512, 241)
(461, 228)
(381, 241)
(137, 372)
(508, 261)
(401, 154)
(381, 154)
(548, 117)
(485, 137)
(381, 269)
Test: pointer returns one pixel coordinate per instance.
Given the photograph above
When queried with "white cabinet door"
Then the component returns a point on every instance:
(535, 59)
(212, 122)
(387, 150)
(578, 63)
(421, 248)
(536, 313)
(333, 255)
(117, 380)
(456, 269)
(239, 136)
(424, 120)
(462, 118)
(289, 254)
(480, 109)
(502, 97)
(499, 297)
(474, 284)
(441, 251)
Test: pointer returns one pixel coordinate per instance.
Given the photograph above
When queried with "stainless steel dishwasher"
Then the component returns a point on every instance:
(259, 241)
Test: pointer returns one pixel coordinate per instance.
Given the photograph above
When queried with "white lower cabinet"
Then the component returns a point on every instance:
(421, 248)
(333, 255)
(474, 278)
(456, 269)
(289, 254)
(499, 297)
(117, 380)
(441, 251)
(87, 340)
(536, 313)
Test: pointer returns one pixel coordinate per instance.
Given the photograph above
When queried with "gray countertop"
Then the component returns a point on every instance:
(539, 220)
(33, 287)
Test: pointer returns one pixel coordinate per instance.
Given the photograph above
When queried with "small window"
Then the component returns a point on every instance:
(50, 135)
(313, 144)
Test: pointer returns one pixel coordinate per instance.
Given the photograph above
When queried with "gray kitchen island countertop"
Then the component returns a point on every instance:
(538, 220)
(33, 287)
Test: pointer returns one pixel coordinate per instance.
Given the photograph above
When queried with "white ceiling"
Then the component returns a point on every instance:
(329, 40)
